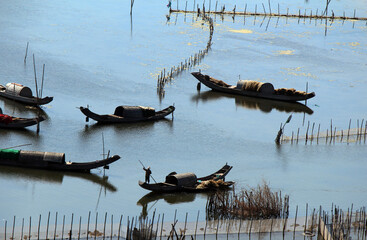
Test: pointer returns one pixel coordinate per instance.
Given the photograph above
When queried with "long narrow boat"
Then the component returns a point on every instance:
(7, 121)
(23, 94)
(49, 161)
(254, 89)
(128, 114)
(188, 182)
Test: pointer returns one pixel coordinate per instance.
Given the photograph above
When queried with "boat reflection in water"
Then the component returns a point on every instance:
(15, 108)
(123, 128)
(52, 176)
(170, 198)
(264, 105)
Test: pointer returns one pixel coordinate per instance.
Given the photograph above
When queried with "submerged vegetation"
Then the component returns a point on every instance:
(253, 203)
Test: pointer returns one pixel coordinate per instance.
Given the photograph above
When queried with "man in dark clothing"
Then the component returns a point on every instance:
(148, 172)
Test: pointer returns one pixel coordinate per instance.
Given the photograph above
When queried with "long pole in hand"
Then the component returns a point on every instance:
(150, 174)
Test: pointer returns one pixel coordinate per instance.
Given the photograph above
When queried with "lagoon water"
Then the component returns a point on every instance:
(96, 54)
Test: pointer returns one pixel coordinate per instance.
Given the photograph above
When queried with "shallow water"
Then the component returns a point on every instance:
(96, 54)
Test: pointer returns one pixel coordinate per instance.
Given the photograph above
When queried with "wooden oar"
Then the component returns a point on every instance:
(18, 146)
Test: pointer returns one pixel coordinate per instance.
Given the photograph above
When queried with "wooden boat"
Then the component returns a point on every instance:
(254, 89)
(128, 114)
(188, 182)
(7, 121)
(49, 161)
(23, 94)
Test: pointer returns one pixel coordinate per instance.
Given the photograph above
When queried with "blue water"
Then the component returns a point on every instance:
(96, 54)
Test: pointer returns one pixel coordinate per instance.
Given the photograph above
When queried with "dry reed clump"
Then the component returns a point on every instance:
(254, 203)
(213, 184)
(218, 82)
(289, 92)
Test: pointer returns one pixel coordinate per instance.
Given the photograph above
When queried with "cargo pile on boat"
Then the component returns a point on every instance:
(289, 92)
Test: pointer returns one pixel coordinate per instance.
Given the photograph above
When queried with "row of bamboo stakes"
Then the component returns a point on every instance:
(344, 225)
(331, 135)
(334, 225)
(167, 76)
(270, 13)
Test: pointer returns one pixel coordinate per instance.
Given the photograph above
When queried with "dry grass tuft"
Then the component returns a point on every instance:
(253, 203)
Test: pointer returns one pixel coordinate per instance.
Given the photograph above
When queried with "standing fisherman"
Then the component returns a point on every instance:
(148, 172)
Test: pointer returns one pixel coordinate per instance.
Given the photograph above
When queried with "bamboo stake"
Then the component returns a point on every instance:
(269, 7)
(156, 230)
(12, 233)
(239, 229)
(111, 226)
(306, 219)
(88, 224)
(26, 53)
(80, 223)
(39, 226)
(185, 224)
(264, 8)
(162, 226)
(35, 75)
(295, 223)
(21, 234)
(30, 224)
(196, 227)
(43, 74)
(308, 125)
(48, 221)
(95, 227)
(271, 228)
(297, 135)
(71, 226)
(334, 135)
(63, 225)
(341, 139)
(118, 234)
(350, 121)
(331, 130)
(104, 225)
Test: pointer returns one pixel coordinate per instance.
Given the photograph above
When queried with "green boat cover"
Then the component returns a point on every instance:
(9, 154)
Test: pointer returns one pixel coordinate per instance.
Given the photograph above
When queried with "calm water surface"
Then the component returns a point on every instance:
(96, 54)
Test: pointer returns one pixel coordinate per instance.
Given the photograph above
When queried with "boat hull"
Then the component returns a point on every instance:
(234, 90)
(18, 123)
(110, 118)
(66, 166)
(164, 187)
(33, 101)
